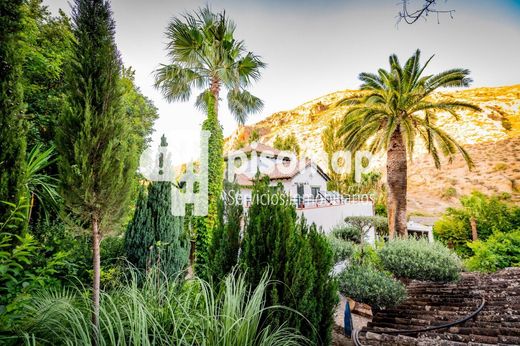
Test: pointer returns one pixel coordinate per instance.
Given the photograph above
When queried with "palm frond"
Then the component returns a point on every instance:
(242, 103)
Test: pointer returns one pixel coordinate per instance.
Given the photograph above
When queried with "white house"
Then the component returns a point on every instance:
(302, 179)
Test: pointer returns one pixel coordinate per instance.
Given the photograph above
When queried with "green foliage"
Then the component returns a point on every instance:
(225, 241)
(289, 143)
(206, 225)
(40, 187)
(139, 235)
(150, 311)
(47, 46)
(366, 255)
(347, 232)
(491, 213)
(367, 285)
(499, 251)
(155, 237)
(299, 260)
(342, 249)
(97, 156)
(420, 260)
(23, 270)
(205, 52)
(363, 224)
(12, 108)
(140, 111)
(453, 232)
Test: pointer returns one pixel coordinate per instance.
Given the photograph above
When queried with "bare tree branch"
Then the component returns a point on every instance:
(428, 7)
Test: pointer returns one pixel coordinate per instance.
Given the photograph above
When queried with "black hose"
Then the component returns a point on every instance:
(355, 332)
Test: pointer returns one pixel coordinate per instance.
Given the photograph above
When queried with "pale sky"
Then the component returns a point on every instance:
(315, 47)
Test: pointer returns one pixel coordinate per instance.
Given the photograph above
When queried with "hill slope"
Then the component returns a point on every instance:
(492, 137)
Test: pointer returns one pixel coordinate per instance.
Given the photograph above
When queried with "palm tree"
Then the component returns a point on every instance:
(205, 55)
(396, 109)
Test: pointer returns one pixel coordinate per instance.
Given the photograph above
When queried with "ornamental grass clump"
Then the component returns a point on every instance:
(158, 310)
(419, 259)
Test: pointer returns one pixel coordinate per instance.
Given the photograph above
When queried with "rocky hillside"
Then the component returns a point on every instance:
(492, 137)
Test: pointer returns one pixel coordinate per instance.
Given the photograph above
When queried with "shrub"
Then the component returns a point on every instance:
(341, 249)
(225, 241)
(491, 213)
(23, 270)
(367, 285)
(299, 261)
(348, 233)
(420, 260)
(366, 255)
(453, 232)
(499, 251)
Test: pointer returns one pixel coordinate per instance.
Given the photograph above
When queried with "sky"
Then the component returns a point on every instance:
(315, 47)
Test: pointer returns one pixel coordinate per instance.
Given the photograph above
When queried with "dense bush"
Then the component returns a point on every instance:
(499, 251)
(491, 213)
(420, 260)
(366, 284)
(23, 270)
(342, 249)
(158, 312)
(225, 241)
(299, 260)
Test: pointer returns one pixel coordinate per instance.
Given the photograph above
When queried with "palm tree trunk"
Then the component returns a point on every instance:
(473, 223)
(96, 262)
(396, 171)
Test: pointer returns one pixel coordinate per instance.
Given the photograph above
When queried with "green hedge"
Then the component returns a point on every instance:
(420, 260)
(367, 285)
(499, 251)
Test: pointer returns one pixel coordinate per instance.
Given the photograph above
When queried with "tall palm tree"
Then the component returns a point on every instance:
(397, 108)
(204, 54)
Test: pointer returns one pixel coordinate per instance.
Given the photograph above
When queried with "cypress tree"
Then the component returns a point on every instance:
(325, 287)
(98, 158)
(299, 260)
(169, 252)
(138, 237)
(155, 237)
(12, 132)
(225, 241)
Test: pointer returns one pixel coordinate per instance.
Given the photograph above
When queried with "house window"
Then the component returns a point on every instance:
(315, 190)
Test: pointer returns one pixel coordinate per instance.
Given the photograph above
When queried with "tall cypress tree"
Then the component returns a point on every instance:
(12, 132)
(299, 260)
(155, 237)
(170, 249)
(97, 156)
(138, 237)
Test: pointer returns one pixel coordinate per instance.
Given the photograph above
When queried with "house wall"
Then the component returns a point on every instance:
(327, 217)
(309, 177)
